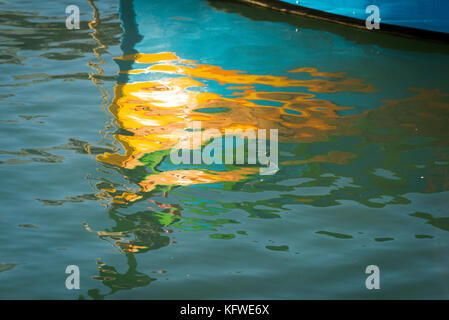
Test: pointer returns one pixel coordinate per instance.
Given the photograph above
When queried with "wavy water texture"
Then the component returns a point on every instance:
(153, 116)
(363, 155)
(156, 114)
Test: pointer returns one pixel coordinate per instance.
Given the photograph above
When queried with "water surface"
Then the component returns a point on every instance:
(90, 115)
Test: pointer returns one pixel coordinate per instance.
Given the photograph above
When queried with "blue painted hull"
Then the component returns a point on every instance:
(431, 15)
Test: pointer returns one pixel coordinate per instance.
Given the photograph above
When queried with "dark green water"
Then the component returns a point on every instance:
(364, 155)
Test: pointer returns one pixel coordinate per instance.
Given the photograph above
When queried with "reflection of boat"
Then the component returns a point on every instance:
(423, 19)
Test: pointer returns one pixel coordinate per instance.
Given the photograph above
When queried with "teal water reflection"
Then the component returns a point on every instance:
(89, 119)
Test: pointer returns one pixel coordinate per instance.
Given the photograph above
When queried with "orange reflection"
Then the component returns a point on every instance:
(156, 113)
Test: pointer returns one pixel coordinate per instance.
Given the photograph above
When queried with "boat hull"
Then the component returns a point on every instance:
(430, 15)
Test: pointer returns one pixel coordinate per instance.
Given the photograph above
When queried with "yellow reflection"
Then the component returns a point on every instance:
(156, 113)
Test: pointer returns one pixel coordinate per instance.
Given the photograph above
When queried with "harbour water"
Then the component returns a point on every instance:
(89, 117)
